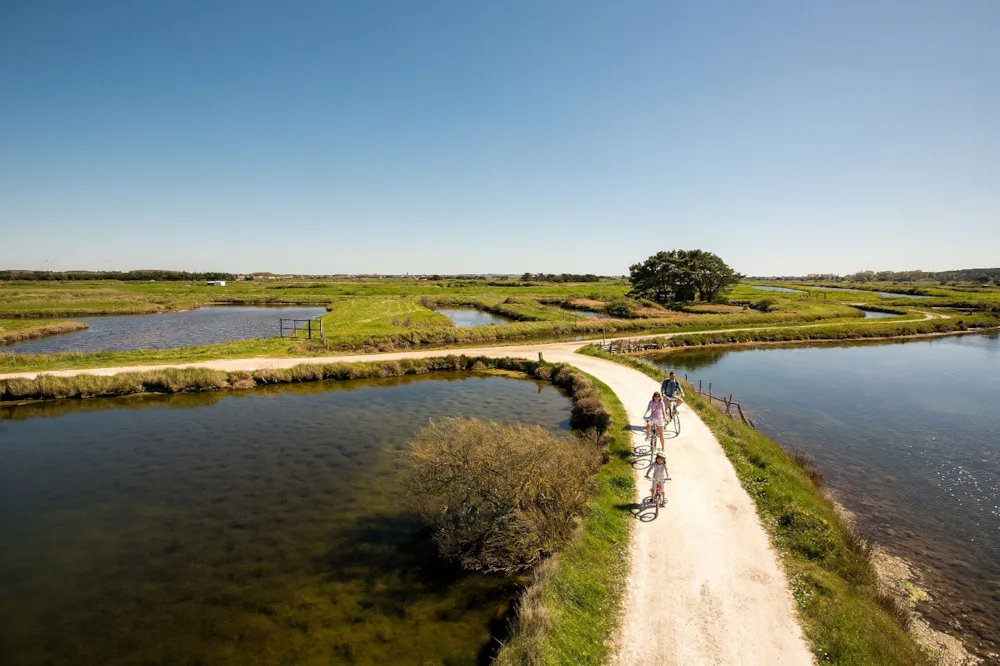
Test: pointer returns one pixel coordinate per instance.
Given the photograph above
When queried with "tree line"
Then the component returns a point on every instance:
(561, 277)
(144, 275)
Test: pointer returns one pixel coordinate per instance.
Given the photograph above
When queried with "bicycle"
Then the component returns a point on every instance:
(657, 497)
(673, 416)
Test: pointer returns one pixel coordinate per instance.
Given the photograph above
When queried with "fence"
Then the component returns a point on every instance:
(728, 403)
(294, 327)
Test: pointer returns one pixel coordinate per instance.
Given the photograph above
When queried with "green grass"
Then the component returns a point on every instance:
(845, 617)
(378, 315)
(573, 607)
(16, 330)
(871, 329)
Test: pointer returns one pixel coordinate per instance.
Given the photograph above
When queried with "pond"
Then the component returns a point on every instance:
(203, 326)
(908, 436)
(874, 314)
(886, 294)
(258, 527)
(589, 314)
(464, 317)
(781, 289)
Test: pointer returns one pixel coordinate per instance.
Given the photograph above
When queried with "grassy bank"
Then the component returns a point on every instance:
(572, 608)
(845, 616)
(19, 330)
(849, 331)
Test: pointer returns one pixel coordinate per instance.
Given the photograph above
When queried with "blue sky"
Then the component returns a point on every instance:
(347, 137)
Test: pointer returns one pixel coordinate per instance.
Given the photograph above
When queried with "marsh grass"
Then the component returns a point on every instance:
(19, 330)
(848, 618)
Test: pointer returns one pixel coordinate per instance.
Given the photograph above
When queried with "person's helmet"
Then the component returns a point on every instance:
(659, 457)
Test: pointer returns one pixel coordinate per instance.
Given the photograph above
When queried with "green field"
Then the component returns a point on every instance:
(16, 330)
(392, 314)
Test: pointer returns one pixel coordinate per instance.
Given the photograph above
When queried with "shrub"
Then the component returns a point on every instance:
(499, 497)
(765, 305)
(619, 308)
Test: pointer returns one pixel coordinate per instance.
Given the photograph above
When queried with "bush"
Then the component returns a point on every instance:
(619, 308)
(765, 305)
(499, 497)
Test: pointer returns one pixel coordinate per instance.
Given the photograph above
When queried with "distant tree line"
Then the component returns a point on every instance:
(113, 275)
(560, 277)
(982, 275)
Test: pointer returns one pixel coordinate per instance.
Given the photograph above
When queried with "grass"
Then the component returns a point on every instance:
(858, 331)
(846, 617)
(573, 606)
(379, 315)
(18, 330)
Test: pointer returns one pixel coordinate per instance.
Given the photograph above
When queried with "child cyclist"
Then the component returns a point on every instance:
(659, 471)
(656, 417)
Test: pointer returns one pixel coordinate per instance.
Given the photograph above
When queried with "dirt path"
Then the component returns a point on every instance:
(705, 586)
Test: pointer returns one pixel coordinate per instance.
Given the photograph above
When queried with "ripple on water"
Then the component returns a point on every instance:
(264, 527)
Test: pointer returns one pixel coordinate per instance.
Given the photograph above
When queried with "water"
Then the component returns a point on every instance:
(782, 289)
(259, 527)
(887, 294)
(464, 317)
(908, 435)
(204, 326)
(590, 314)
(872, 314)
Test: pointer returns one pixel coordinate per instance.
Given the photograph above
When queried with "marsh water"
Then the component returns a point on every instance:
(259, 527)
(873, 314)
(908, 436)
(203, 326)
(781, 289)
(464, 317)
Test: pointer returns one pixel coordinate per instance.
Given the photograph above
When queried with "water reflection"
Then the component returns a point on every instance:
(257, 527)
(907, 434)
(204, 326)
(464, 317)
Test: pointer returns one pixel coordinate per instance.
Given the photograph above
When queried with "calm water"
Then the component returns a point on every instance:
(887, 294)
(872, 314)
(471, 317)
(262, 527)
(783, 289)
(590, 314)
(203, 326)
(908, 435)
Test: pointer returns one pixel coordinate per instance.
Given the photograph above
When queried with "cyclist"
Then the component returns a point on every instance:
(659, 470)
(656, 417)
(673, 392)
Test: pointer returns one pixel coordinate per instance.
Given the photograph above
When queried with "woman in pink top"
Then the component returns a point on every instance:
(657, 418)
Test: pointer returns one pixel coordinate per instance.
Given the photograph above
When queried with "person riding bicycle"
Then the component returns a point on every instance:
(656, 417)
(659, 471)
(673, 392)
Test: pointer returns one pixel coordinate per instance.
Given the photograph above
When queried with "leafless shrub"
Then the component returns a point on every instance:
(499, 497)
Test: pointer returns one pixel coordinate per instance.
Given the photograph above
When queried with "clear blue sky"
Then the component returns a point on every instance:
(337, 136)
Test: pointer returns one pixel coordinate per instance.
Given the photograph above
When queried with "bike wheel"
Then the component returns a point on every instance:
(677, 421)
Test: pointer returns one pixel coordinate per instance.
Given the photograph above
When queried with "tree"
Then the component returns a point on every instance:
(681, 275)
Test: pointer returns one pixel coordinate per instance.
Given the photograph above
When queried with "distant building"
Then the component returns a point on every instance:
(216, 283)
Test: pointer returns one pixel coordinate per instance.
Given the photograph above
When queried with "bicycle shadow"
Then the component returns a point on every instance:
(645, 511)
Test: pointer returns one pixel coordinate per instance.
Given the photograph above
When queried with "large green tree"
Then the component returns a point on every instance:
(682, 275)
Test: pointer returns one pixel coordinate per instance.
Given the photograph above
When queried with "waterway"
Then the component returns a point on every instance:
(203, 326)
(908, 436)
(259, 527)
(781, 289)
(464, 317)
